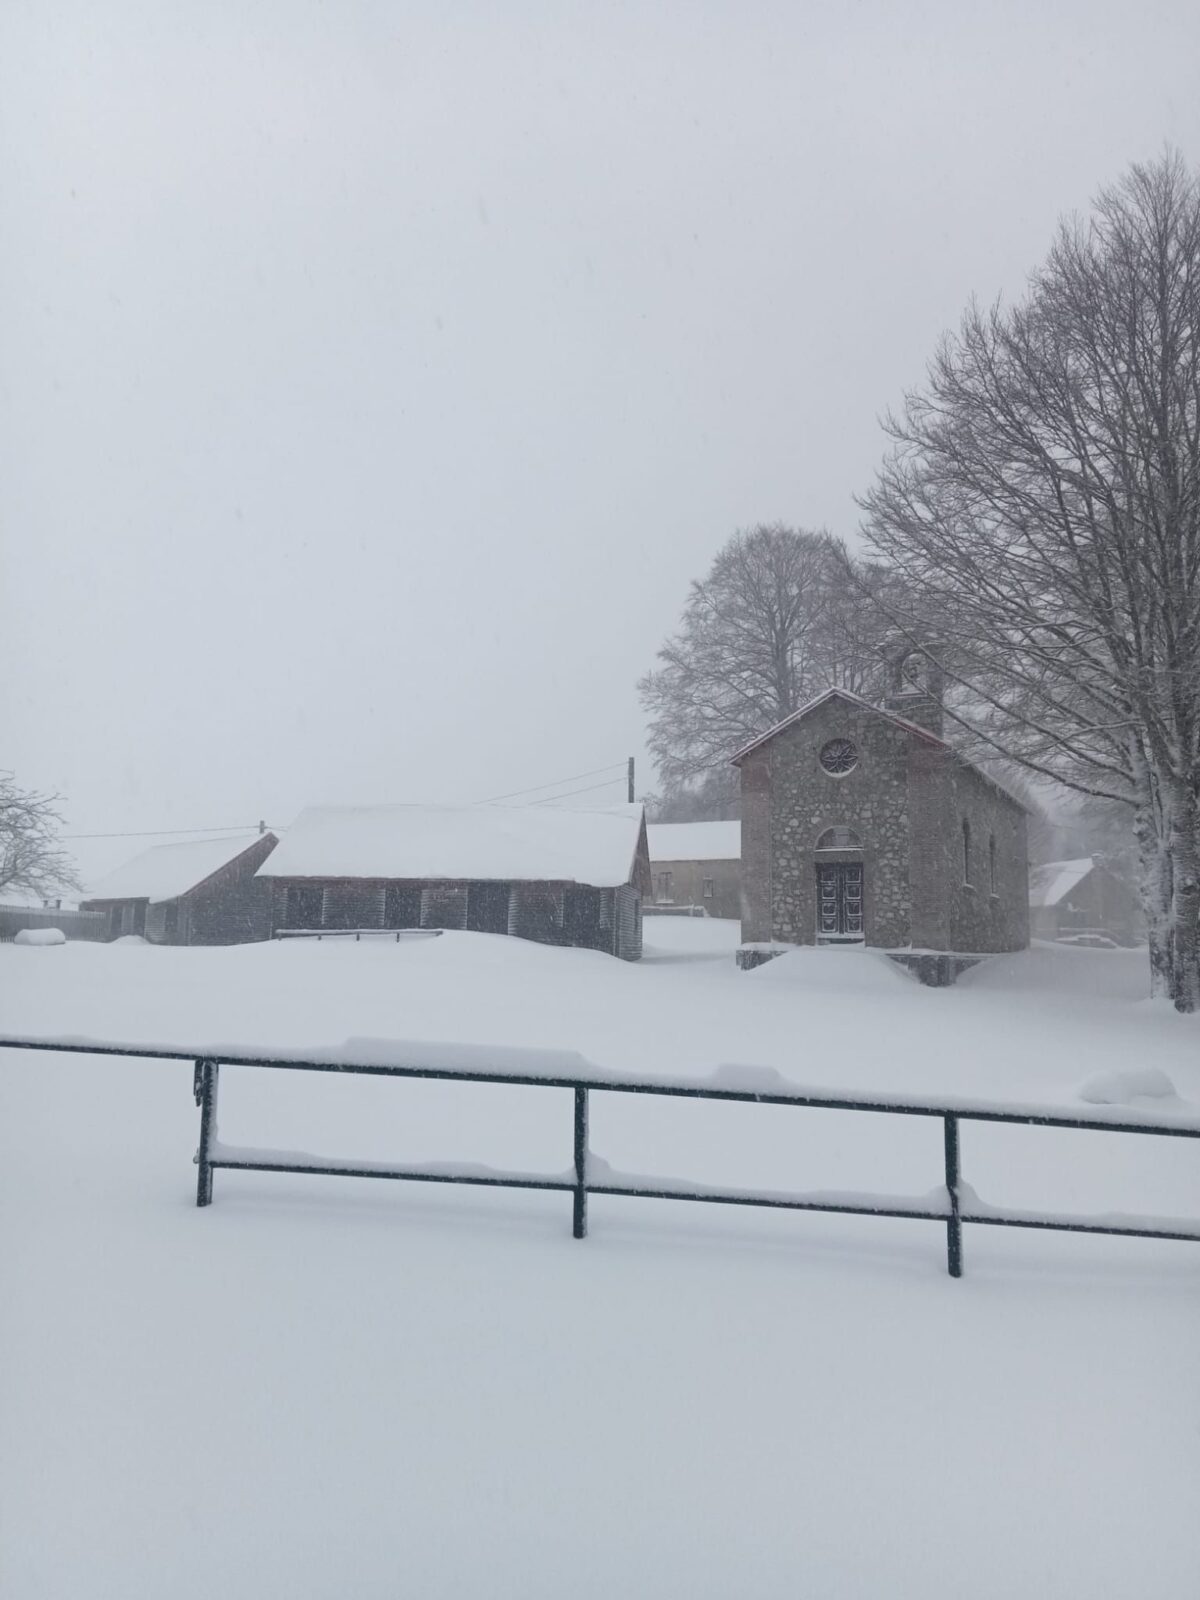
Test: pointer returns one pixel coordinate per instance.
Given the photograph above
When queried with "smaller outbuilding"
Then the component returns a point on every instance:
(1082, 902)
(202, 892)
(697, 864)
(537, 872)
(23, 911)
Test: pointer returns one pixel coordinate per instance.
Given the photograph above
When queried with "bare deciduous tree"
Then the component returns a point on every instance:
(31, 856)
(715, 796)
(1043, 499)
(774, 622)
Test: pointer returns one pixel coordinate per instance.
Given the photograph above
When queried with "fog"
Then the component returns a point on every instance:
(376, 377)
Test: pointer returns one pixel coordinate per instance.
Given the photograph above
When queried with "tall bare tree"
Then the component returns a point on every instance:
(1043, 499)
(31, 856)
(774, 621)
(714, 797)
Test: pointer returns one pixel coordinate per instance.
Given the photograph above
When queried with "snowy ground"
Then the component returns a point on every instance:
(325, 1386)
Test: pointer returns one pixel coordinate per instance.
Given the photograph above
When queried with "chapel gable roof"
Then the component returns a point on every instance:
(859, 704)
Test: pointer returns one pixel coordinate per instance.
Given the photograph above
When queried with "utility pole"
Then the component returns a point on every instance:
(631, 780)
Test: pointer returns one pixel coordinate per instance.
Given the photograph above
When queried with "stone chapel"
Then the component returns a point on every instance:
(862, 824)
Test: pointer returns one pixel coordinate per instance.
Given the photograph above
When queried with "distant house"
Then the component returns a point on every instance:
(697, 864)
(203, 892)
(537, 872)
(12, 899)
(1082, 899)
(863, 825)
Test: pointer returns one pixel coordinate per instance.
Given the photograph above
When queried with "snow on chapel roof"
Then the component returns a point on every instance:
(889, 716)
(819, 699)
(169, 870)
(510, 843)
(695, 841)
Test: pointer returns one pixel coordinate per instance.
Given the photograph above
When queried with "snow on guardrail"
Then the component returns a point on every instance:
(567, 1069)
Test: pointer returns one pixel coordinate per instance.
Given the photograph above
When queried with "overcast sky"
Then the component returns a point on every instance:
(374, 377)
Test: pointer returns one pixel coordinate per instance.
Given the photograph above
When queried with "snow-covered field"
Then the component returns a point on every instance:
(325, 1386)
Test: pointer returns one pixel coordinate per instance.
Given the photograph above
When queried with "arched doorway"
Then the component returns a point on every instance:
(839, 866)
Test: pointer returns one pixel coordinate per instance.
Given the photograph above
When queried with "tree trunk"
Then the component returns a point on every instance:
(1155, 885)
(1185, 920)
(1151, 829)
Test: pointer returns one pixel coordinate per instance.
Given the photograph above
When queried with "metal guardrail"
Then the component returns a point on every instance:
(589, 1176)
(357, 934)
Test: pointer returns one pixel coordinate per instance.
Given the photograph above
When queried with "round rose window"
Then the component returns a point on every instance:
(839, 755)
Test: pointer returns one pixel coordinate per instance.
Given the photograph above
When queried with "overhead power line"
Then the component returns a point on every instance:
(536, 788)
(586, 791)
(160, 833)
(513, 794)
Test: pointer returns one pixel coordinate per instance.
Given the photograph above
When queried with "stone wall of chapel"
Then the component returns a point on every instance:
(933, 865)
(804, 800)
(986, 913)
(756, 846)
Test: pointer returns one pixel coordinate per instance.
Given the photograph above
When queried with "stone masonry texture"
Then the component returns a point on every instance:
(907, 799)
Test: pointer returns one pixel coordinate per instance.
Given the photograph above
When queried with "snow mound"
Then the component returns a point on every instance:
(494, 1060)
(754, 1080)
(844, 969)
(1060, 969)
(1122, 1088)
(449, 950)
(130, 938)
(40, 936)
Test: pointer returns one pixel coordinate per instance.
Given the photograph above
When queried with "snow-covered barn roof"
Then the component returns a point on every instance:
(508, 843)
(695, 841)
(169, 870)
(1051, 883)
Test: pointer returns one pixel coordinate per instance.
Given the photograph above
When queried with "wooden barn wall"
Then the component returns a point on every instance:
(628, 913)
(232, 906)
(547, 913)
(121, 917)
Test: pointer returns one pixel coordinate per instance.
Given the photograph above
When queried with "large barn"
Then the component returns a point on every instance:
(864, 825)
(538, 872)
(201, 892)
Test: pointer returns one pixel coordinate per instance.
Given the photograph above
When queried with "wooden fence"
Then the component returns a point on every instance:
(75, 924)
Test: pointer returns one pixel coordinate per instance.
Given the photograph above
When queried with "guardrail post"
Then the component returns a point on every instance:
(205, 1084)
(581, 1151)
(954, 1220)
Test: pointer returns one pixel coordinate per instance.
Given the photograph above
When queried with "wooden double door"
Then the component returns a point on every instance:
(839, 900)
